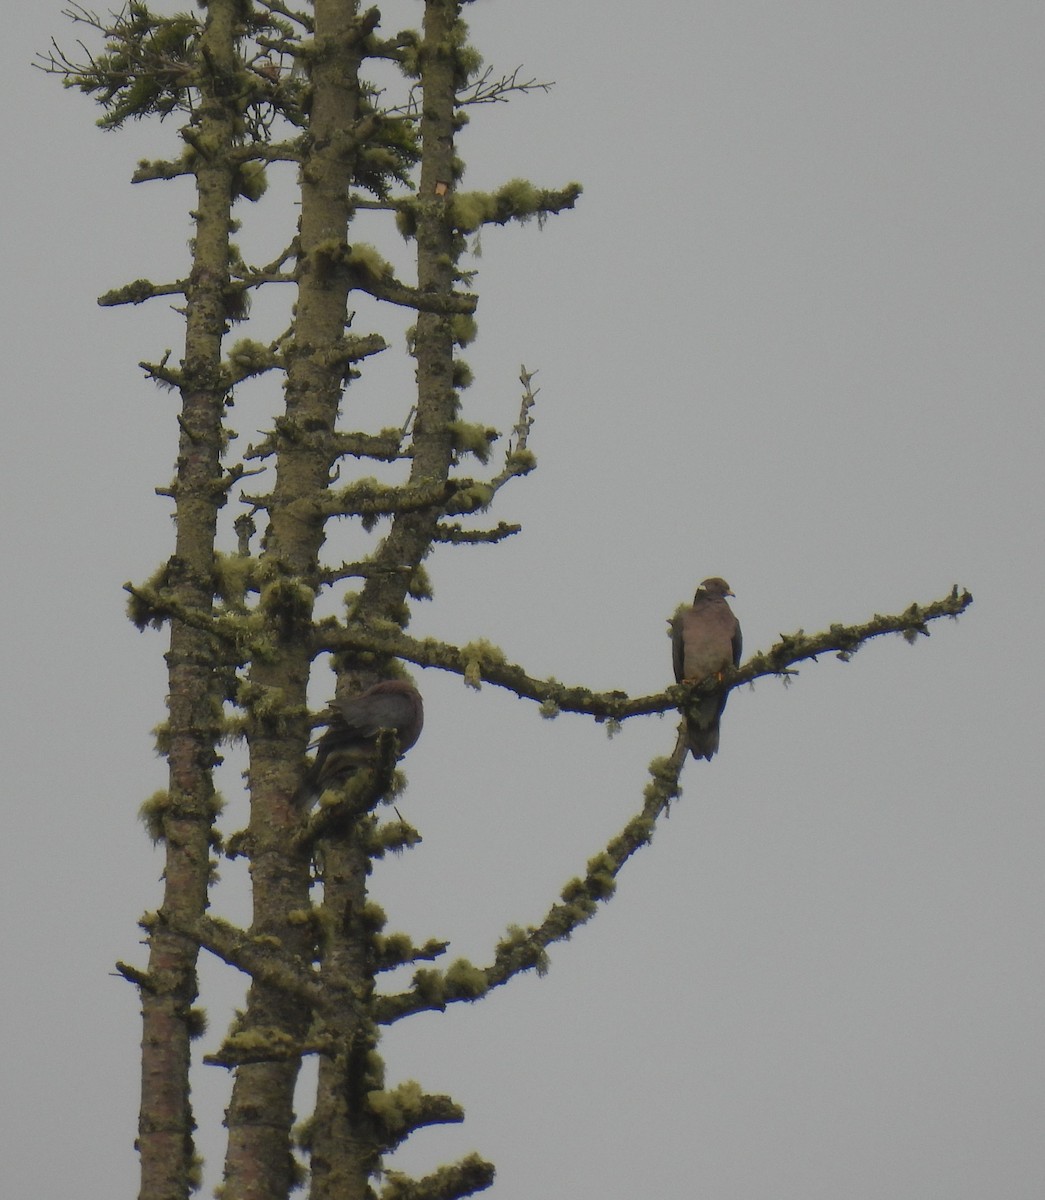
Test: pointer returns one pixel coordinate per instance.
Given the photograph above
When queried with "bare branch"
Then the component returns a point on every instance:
(489, 90)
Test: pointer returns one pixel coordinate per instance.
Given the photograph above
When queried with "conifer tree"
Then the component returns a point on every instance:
(259, 86)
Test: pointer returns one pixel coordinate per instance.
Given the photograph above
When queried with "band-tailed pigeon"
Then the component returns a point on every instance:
(351, 737)
(705, 640)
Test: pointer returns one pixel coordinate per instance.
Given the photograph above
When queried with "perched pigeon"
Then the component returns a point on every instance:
(705, 640)
(351, 738)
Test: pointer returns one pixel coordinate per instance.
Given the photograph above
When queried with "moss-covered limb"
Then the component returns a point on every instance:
(516, 200)
(397, 949)
(162, 374)
(151, 169)
(159, 602)
(467, 212)
(248, 358)
(386, 446)
(256, 1046)
(451, 497)
(400, 1111)
(369, 498)
(260, 957)
(391, 290)
(845, 640)
(454, 534)
(392, 837)
(141, 290)
(464, 1178)
(355, 570)
(374, 274)
(526, 949)
(481, 662)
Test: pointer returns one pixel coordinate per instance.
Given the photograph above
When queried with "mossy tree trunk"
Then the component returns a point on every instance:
(196, 684)
(259, 1164)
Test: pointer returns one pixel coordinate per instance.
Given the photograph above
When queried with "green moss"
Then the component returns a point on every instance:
(155, 810)
(519, 197)
(152, 813)
(248, 357)
(374, 916)
(466, 980)
(473, 498)
(259, 1043)
(518, 950)
(251, 181)
(462, 376)
(429, 986)
(522, 461)
(406, 219)
(474, 439)
(476, 657)
(464, 328)
(409, 53)
(516, 200)
(601, 882)
(196, 1022)
(288, 599)
(263, 701)
(145, 605)
(469, 64)
(392, 1107)
(370, 264)
(393, 948)
(467, 211)
(639, 829)
(420, 585)
(234, 575)
(161, 736)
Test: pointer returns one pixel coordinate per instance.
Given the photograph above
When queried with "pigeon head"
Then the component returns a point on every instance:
(715, 587)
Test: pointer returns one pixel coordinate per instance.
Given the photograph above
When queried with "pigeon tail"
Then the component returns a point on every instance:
(702, 742)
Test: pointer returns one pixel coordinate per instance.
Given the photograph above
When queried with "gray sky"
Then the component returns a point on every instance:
(791, 335)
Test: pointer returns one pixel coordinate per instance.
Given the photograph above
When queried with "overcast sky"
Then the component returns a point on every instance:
(791, 335)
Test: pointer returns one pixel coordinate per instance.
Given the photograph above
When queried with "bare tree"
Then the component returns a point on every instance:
(261, 86)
